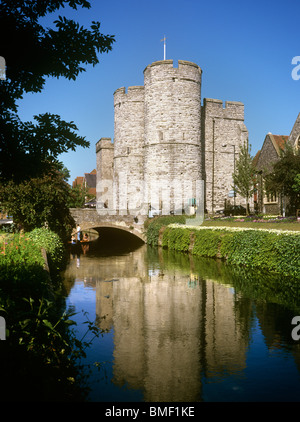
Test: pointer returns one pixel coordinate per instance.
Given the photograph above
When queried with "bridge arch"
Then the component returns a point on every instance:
(115, 227)
(90, 219)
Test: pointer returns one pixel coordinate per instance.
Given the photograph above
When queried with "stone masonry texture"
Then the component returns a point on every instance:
(165, 141)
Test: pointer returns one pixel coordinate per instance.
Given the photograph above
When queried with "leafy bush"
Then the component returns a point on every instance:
(153, 226)
(21, 266)
(206, 243)
(39, 355)
(51, 242)
(177, 239)
(272, 250)
(22, 262)
(37, 201)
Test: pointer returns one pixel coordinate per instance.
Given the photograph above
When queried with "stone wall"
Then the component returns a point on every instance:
(172, 131)
(129, 140)
(223, 132)
(104, 160)
(90, 218)
(268, 155)
(295, 133)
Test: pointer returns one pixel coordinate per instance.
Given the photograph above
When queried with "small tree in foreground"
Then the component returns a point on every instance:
(244, 175)
(39, 202)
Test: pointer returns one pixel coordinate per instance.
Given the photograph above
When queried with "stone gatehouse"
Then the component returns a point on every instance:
(166, 142)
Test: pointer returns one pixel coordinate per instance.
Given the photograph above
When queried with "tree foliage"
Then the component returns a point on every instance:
(243, 177)
(284, 177)
(29, 149)
(33, 53)
(31, 188)
(296, 185)
(37, 202)
(78, 196)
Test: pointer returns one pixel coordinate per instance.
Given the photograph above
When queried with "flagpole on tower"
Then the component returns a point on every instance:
(165, 46)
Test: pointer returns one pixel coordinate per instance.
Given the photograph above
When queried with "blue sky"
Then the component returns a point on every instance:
(245, 50)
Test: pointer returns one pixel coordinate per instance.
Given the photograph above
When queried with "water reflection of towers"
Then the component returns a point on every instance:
(168, 329)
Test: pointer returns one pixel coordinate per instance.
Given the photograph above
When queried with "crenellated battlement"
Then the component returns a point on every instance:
(104, 143)
(165, 69)
(216, 108)
(170, 64)
(133, 93)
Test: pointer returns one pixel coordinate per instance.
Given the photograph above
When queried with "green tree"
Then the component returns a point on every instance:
(284, 178)
(39, 202)
(33, 53)
(78, 196)
(296, 185)
(31, 188)
(244, 175)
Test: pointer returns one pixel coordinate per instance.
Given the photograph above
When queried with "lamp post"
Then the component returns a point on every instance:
(260, 191)
(231, 145)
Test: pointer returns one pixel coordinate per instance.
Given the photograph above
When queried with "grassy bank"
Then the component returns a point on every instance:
(255, 224)
(276, 250)
(38, 355)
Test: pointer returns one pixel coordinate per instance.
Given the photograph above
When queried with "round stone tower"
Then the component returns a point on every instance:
(172, 157)
(128, 148)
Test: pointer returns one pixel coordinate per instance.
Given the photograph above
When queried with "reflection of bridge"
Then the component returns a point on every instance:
(89, 218)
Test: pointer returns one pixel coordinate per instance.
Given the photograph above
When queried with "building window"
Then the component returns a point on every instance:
(160, 135)
(192, 202)
(271, 198)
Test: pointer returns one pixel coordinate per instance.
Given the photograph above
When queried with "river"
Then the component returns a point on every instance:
(176, 328)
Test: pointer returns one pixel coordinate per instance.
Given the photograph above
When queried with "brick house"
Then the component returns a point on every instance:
(273, 145)
(89, 182)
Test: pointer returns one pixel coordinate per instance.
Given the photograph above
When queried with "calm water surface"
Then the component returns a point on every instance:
(179, 328)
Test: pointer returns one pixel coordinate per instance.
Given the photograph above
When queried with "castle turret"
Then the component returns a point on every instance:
(104, 159)
(128, 153)
(172, 158)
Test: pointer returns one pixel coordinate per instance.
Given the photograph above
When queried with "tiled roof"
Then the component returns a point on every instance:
(280, 140)
(78, 181)
(255, 158)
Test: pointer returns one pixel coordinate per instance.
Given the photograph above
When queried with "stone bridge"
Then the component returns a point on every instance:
(90, 218)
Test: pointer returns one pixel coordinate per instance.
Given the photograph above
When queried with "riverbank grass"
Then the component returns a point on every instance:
(38, 358)
(255, 224)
